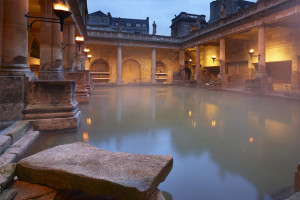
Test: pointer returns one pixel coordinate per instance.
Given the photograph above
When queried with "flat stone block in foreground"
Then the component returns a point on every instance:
(79, 166)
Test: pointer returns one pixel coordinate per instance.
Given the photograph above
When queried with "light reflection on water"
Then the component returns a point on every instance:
(225, 145)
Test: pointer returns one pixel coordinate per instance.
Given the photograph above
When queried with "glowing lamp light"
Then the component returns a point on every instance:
(251, 52)
(213, 58)
(79, 39)
(190, 60)
(213, 123)
(60, 6)
(85, 136)
(251, 140)
(86, 50)
(190, 113)
(88, 121)
(89, 57)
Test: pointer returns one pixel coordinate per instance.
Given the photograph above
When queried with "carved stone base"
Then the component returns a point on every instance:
(81, 93)
(50, 105)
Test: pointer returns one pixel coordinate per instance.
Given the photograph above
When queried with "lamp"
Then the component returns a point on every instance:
(78, 39)
(89, 56)
(86, 50)
(213, 58)
(60, 10)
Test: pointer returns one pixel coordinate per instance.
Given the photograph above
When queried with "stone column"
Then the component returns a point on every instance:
(153, 66)
(50, 46)
(197, 62)
(261, 52)
(69, 51)
(1, 30)
(15, 38)
(79, 59)
(181, 58)
(119, 64)
(222, 56)
(295, 79)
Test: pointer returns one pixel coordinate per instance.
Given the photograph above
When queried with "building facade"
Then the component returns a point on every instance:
(100, 21)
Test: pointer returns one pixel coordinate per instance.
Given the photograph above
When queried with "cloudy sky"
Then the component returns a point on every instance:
(160, 11)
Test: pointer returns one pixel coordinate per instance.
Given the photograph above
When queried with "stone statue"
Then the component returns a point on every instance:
(154, 28)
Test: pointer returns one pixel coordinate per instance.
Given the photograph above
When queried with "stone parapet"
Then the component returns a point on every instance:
(51, 105)
(81, 94)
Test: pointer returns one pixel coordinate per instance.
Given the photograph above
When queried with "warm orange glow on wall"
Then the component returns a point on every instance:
(85, 136)
(88, 121)
(60, 6)
(213, 123)
(251, 140)
(190, 113)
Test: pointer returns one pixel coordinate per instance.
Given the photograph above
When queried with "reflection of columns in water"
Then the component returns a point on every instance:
(153, 103)
(119, 105)
(15, 37)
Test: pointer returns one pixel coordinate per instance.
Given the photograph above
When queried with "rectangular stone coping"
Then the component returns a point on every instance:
(96, 172)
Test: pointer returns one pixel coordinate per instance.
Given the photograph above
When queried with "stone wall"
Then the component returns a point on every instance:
(11, 99)
(142, 56)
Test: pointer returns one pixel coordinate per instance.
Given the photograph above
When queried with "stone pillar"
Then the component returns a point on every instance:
(119, 64)
(1, 30)
(15, 38)
(222, 56)
(181, 58)
(50, 46)
(153, 66)
(295, 79)
(261, 52)
(69, 51)
(197, 62)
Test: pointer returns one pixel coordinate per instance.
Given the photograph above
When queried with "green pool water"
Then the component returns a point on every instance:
(225, 145)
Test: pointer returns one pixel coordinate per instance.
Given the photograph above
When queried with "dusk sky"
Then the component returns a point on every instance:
(160, 11)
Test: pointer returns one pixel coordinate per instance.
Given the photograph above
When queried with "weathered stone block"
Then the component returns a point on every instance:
(7, 158)
(8, 195)
(7, 174)
(81, 93)
(5, 142)
(80, 166)
(17, 130)
(11, 98)
(20, 146)
(50, 102)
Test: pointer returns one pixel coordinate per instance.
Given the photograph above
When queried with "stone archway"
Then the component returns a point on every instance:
(131, 72)
(100, 71)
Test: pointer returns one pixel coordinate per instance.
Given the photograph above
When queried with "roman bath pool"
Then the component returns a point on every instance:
(225, 145)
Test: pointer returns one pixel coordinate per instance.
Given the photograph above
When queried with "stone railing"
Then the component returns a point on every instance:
(261, 6)
(133, 37)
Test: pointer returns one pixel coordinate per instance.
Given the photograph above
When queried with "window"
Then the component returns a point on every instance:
(138, 25)
(128, 24)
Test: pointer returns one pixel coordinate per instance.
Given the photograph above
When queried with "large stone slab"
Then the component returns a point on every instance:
(5, 142)
(7, 174)
(79, 166)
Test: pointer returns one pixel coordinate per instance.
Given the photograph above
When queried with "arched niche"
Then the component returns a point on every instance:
(161, 72)
(100, 71)
(131, 71)
(35, 48)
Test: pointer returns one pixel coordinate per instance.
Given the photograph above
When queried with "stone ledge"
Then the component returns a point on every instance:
(5, 142)
(56, 124)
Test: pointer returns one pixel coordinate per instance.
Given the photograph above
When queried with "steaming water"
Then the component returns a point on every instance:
(225, 145)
